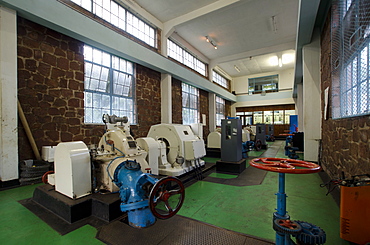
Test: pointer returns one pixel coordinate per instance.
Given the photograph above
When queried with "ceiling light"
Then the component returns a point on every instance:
(211, 41)
(274, 61)
(287, 58)
(280, 62)
(236, 68)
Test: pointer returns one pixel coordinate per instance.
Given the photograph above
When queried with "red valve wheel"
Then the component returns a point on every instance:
(160, 195)
(283, 165)
(45, 177)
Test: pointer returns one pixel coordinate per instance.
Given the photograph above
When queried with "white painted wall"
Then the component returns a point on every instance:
(286, 80)
(8, 95)
(311, 98)
(240, 86)
(166, 98)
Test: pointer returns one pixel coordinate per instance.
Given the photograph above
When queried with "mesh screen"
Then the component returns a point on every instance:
(350, 36)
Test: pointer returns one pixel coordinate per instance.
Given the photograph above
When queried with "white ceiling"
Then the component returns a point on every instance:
(242, 29)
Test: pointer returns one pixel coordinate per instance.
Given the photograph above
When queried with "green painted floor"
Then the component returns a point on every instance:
(243, 209)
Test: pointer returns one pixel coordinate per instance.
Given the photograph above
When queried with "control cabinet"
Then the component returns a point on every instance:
(231, 140)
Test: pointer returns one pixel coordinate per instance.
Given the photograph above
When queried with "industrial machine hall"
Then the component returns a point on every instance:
(197, 122)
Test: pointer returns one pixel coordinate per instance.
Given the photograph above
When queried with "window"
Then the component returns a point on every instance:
(267, 84)
(109, 86)
(220, 80)
(268, 117)
(220, 110)
(118, 16)
(257, 117)
(181, 55)
(190, 104)
(350, 58)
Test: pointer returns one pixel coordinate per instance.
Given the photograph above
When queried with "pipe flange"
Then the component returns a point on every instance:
(287, 226)
(310, 234)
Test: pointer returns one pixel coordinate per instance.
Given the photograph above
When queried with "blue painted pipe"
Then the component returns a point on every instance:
(131, 180)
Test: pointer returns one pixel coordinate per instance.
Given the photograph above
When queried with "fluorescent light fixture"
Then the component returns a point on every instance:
(274, 61)
(211, 41)
(287, 58)
(274, 24)
(236, 68)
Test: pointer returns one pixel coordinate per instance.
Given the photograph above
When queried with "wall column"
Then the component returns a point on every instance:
(311, 98)
(166, 98)
(8, 95)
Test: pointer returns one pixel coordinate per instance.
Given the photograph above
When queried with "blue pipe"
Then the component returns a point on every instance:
(130, 179)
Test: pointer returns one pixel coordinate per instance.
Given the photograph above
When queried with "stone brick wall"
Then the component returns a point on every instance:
(204, 109)
(345, 142)
(148, 100)
(176, 101)
(50, 90)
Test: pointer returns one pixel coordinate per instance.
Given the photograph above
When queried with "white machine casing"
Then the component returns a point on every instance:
(184, 150)
(214, 140)
(115, 147)
(72, 169)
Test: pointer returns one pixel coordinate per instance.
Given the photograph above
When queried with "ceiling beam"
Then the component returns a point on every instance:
(169, 26)
(253, 53)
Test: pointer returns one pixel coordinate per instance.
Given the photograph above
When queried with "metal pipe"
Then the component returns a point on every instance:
(28, 131)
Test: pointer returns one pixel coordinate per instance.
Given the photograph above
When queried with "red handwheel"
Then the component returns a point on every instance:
(283, 165)
(166, 197)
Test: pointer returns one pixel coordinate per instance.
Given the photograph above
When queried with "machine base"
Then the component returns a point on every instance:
(104, 207)
(231, 167)
(213, 152)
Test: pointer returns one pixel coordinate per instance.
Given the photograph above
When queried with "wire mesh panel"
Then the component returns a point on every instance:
(350, 39)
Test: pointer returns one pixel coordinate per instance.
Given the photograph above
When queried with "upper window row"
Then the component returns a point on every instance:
(220, 80)
(181, 55)
(120, 17)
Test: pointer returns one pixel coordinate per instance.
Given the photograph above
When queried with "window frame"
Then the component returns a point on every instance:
(117, 65)
(220, 110)
(350, 71)
(149, 36)
(190, 112)
(220, 80)
(178, 53)
(264, 80)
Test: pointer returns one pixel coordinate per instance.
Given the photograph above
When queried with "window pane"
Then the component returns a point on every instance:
(107, 90)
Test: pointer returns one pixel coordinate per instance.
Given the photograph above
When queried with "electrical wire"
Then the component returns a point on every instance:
(110, 164)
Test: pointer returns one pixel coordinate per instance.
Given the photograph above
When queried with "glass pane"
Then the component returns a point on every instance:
(257, 117)
(278, 117)
(287, 115)
(268, 117)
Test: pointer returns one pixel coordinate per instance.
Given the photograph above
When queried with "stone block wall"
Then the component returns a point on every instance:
(50, 88)
(204, 109)
(345, 142)
(148, 100)
(176, 102)
(51, 85)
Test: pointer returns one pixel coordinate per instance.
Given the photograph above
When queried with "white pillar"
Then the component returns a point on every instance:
(8, 95)
(311, 98)
(299, 106)
(212, 111)
(166, 98)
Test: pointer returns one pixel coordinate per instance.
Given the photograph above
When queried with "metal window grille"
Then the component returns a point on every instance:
(120, 17)
(190, 104)
(109, 84)
(350, 35)
(220, 110)
(181, 55)
(217, 78)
